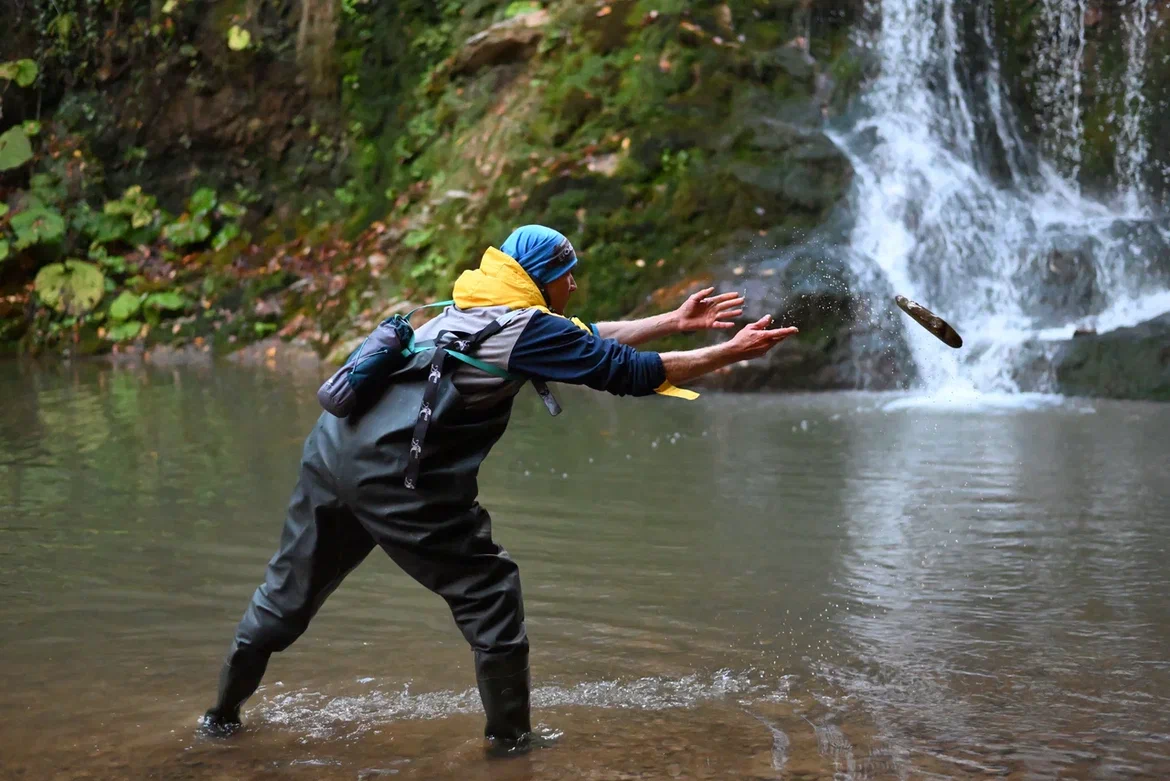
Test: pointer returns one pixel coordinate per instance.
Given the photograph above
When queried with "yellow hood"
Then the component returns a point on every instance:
(501, 281)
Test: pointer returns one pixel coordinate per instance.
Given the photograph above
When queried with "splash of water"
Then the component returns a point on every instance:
(1006, 257)
(321, 716)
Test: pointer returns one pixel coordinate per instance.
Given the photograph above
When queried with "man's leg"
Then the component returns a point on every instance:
(321, 543)
(456, 558)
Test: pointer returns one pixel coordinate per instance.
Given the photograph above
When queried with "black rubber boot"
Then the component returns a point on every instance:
(238, 680)
(504, 689)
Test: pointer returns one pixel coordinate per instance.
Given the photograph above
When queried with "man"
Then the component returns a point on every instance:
(402, 474)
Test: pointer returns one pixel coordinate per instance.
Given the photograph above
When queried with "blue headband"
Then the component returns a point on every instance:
(543, 252)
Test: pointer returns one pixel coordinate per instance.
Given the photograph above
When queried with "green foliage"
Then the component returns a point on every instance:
(112, 264)
(101, 227)
(125, 306)
(140, 208)
(121, 332)
(166, 301)
(238, 38)
(196, 226)
(202, 202)
(23, 72)
(225, 236)
(187, 230)
(518, 7)
(3, 249)
(72, 287)
(418, 238)
(37, 224)
(231, 211)
(15, 149)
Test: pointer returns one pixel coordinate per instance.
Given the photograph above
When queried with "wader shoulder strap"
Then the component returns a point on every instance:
(447, 343)
(541, 387)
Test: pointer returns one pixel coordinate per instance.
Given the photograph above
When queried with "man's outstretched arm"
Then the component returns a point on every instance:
(699, 311)
(553, 349)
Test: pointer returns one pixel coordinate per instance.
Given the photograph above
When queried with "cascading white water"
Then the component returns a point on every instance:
(1059, 53)
(999, 256)
(1132, 146)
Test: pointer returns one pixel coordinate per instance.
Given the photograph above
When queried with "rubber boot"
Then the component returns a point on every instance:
(238, 680)
(504, 685)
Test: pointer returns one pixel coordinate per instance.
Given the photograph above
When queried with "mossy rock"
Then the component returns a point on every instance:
(1129, 363)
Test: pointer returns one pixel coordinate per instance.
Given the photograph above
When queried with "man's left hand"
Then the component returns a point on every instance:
(702, 310)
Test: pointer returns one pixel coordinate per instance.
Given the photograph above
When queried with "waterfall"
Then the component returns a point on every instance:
(1006, 257)
(1132, 147)
(1060, 48)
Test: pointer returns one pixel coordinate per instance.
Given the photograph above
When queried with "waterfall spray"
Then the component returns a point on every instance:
(1004, 261)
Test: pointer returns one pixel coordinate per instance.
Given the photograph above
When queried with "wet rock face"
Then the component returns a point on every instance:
(848, 340)
(1129, 363)
(1063, 278)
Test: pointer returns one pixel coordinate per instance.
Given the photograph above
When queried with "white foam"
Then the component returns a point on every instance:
(320, 715)
(967, 399)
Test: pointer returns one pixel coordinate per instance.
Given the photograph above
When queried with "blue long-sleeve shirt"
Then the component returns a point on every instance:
(554, 349)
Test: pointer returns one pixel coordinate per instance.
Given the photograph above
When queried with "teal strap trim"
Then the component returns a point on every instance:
(429, 306)
(593, 328)
(491, 369)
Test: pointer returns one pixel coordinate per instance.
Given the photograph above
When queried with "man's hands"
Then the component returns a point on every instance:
(752, 341)
(700, 312)
(756, 339)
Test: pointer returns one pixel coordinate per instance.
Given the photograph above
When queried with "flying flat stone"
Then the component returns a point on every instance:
(930, 321)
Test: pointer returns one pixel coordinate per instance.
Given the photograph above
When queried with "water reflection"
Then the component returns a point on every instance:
(743, 586)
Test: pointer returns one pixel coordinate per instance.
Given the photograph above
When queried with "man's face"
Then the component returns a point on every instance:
(558, 292)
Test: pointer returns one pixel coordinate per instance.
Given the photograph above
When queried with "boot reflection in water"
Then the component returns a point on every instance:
(399, 471)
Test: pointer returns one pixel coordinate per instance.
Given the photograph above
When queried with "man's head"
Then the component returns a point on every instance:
(548, 257)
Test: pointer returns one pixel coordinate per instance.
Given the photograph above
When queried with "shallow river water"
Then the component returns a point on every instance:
(745, 587)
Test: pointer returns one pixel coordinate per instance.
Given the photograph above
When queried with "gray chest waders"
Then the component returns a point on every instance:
(370, 480)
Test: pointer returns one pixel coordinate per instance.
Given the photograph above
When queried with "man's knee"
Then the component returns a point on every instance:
(269, 628)
(490, 612)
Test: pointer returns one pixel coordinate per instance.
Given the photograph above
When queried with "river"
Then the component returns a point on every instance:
(749, 587)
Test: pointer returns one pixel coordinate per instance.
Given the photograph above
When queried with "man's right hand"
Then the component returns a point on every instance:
(756, 339)
(752, 341)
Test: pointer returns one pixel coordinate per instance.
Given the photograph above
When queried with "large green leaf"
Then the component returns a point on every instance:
(35, 225)
(168, 301)
(73, 287)
(15, 150)
(125, 306)
(23, 72)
